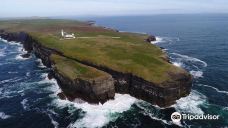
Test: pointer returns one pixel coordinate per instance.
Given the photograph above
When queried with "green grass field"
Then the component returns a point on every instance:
(128, 54)
(73, 69)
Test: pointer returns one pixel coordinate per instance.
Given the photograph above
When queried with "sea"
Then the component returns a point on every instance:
(195, 42)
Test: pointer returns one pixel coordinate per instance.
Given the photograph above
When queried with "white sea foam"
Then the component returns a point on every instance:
(10, 42)
(3, 40)
(191, 103)
(10, 92)
(44, 75)
(150, 112)
(165, 40)
(4, 116)
(47, 80)
(24, 104)
(190, 59)
(2, 51)
(196, 74)
(1, 89)
(20, 49)
(40, 64)
(56, 124)
(178, 64)
(159, 119)
(216, 89)
(12, 72)
(19, 57)
(28, 74)
(225, 108)
(98, 115)
(14, 43)
(158, 40)
(9, 80)
(54, 88)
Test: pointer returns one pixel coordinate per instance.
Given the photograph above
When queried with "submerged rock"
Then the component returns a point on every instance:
(50, 75)
(26, 55)
(62, 96)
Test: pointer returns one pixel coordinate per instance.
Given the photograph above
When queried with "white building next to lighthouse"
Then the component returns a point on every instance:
(67, 36)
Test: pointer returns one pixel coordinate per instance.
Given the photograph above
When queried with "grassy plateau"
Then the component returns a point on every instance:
(119, 51)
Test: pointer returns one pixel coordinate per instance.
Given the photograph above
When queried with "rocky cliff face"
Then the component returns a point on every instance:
(151, 38)
(93, 91)
(163, 95)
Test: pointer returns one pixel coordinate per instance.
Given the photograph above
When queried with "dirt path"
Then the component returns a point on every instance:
(98, 37)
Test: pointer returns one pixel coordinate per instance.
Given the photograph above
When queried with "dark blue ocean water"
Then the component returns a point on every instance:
(198, 43)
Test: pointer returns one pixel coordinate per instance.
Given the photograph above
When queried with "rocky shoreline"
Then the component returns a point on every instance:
(101, 90)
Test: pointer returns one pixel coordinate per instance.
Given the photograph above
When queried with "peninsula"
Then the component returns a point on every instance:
(99, 62)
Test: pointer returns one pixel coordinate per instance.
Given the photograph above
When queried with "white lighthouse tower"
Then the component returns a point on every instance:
(62, 33)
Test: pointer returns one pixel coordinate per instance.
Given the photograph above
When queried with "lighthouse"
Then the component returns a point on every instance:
(67, 36)
(62, 33)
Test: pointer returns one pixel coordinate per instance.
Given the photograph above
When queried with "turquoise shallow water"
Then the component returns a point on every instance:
(198, 43)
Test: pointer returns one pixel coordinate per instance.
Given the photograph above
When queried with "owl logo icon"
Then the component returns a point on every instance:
(176, 117)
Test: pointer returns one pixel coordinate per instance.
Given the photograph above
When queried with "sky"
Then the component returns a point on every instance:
(27, 8)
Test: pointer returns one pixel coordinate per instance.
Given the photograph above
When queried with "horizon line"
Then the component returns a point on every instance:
(80, 16)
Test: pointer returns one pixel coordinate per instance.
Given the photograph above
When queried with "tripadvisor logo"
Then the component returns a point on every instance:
(176, 117)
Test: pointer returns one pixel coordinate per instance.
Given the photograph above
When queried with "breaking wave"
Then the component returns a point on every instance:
(10, 80)
(54, 88)
(191, 103)
(1, 89)
(40, 64)
(55, 124)
(148, 111)
(19, 57)
(196, 74)
(193, 65)
(165, 39)
(187, 59)
(12, 72)
(216, 89)
(24, 104)
(12, 42)
(158, 40)
(2, 51)
(5, 41)
(98, 115)
(178, 64)
(225, 108)
(184, 61)
(20, 49)
(3, 116)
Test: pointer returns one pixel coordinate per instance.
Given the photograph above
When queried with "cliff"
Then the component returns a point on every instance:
(163, 86)
(94, 89)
